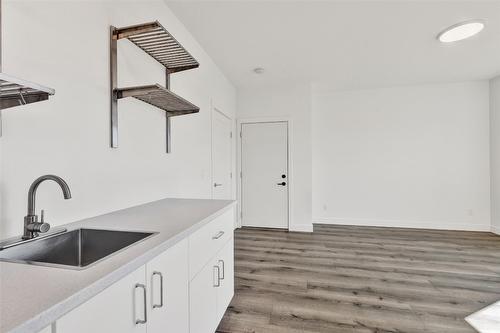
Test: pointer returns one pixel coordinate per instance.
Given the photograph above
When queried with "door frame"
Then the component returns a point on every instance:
(215, 109)
(240, 122)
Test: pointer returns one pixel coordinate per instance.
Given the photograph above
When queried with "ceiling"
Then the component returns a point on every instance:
(343, 44)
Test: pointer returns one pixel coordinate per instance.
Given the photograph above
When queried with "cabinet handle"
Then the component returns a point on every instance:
(219, 235)
(217, 284)
(156, 306)
(223, 269)
(145, 320)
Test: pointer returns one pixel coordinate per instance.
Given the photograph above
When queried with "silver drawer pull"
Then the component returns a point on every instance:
(219, 235)
(145, 320)
(223, 269)
(156, 306)
(217, 280)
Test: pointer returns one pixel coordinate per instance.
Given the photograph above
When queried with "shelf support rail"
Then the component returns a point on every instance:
(113, 67)
(168, 128)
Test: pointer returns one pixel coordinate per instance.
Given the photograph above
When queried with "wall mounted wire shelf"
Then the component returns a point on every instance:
(157, 42)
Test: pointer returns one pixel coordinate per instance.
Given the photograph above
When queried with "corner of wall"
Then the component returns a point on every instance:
(495, 230)
(495, 154)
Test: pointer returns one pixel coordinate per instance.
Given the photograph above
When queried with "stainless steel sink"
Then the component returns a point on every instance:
(76, 249)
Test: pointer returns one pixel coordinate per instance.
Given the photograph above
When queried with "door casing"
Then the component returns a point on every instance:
(216, 110)
(289, 123)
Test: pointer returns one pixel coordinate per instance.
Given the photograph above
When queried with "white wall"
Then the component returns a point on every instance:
(495, 153)
(64, 45)
(292, 102)
(414, 156)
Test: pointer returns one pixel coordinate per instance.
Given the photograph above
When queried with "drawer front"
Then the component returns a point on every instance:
(207, 241)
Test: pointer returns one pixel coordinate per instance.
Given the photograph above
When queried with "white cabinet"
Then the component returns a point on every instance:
(211, 291)
(206, 242)
(186, 289)
(119, 308)
(168, 283)
(154, 298)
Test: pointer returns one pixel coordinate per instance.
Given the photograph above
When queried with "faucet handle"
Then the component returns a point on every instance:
(44, 227)
(36, 227)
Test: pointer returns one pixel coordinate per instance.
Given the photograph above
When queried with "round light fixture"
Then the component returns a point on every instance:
(461, 31)
(258, 70)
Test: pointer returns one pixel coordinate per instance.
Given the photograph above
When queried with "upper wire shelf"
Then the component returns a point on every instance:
(156, 41)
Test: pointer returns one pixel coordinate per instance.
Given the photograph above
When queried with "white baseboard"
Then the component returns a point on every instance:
(495, 230)
(404, 224)
(301, 228)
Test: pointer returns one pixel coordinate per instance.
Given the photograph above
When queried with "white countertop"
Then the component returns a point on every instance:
(32, 297)
(486, 320)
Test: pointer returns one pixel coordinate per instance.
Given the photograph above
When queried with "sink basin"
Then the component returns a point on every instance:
(76, 249)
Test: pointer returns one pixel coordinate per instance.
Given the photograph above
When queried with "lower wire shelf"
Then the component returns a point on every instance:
(14, 92)
(160, 97)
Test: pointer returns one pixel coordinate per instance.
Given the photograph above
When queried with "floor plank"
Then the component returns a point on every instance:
(347, 279)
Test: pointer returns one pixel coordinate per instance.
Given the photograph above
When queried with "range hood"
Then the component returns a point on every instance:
(16, 92)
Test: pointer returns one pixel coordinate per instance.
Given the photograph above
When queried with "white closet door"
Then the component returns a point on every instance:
(221, 156)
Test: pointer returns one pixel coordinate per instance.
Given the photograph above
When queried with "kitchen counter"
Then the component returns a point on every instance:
(32, 297)
(486, 320)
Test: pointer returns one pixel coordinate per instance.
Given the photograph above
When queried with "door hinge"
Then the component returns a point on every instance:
(230, 135)
(241, 134)
(241, 174)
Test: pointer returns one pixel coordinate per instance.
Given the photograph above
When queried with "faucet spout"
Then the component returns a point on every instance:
(31, 225)
(32, 191)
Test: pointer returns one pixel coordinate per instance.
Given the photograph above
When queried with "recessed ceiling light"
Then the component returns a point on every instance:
(258, 70)
(461, 31)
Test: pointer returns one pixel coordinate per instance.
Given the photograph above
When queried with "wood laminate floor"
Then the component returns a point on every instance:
(361, 279)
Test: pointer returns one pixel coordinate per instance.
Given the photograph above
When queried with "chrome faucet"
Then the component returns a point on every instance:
(31, 224)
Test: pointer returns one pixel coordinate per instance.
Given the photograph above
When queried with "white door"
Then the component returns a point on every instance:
(221, 156)
(264, 167)
(168, 289)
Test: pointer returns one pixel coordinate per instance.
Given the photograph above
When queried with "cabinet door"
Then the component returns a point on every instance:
(225, 292)
(119, 308)
(203, 299)
(168, 286)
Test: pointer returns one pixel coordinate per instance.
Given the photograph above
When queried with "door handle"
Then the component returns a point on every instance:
(217, 184)
(156, 306)
(282, 184)
(217, 284)
(145, 320)
(219, 235)
(223, 269)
